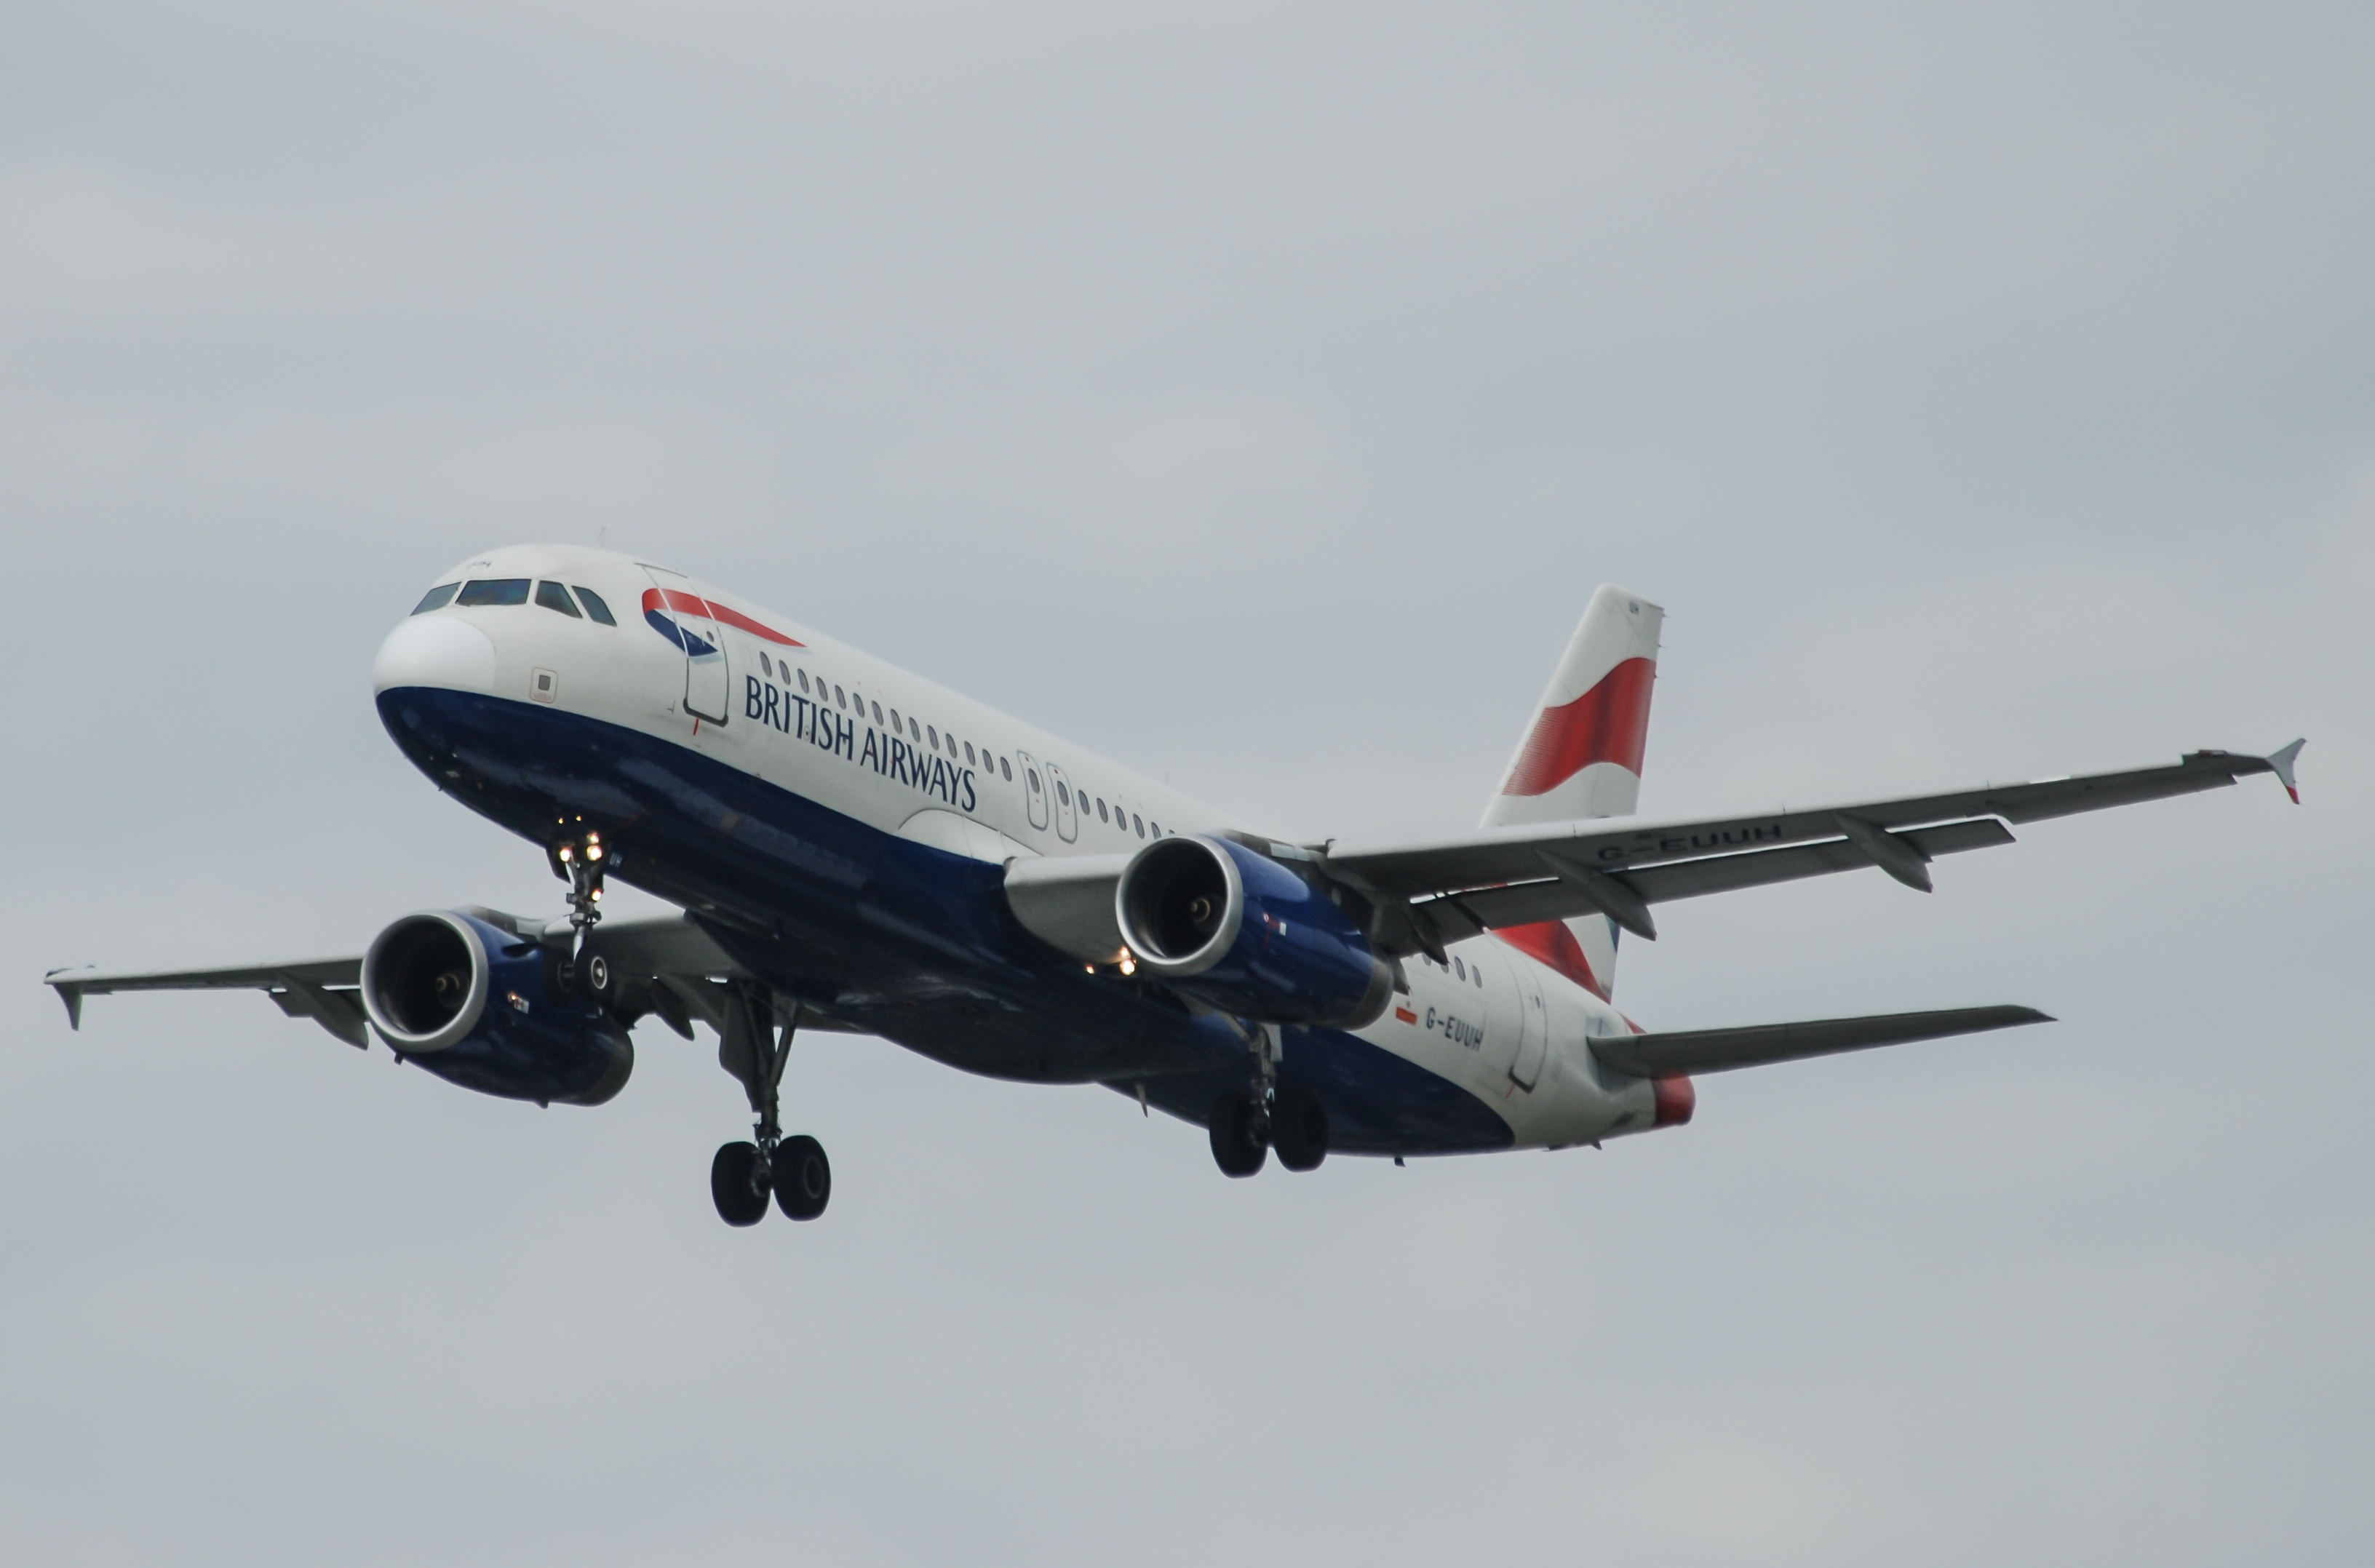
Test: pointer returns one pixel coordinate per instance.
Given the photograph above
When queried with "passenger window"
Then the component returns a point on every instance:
(878, 713)
(1157, 829)
(1063, 793)
(594, 607)
(1008, 774)
(913, 733)
(1480, 977)
(840, 698)
(436, 599)
(1101, 809)
(1460, 968)
(553, 597)
(493, 591)
(767, 668)
(894, 719)
(1138, 822)
(1031, 773)
(804, 680)
(935, 738)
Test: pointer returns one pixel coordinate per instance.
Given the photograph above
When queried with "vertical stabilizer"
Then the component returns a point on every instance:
(1581, 757)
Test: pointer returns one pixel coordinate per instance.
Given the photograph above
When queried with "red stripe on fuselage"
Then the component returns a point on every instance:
(690, 603)
(1550, 942)
(1608, 724)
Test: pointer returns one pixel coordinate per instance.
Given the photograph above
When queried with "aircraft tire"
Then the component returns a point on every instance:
(1298, 1129)
(803, 1177)
(1240, 1143)
(740, 1201)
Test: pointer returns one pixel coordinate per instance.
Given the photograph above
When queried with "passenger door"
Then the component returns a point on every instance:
(1037, 791)
(708, 683)
(1068, 804)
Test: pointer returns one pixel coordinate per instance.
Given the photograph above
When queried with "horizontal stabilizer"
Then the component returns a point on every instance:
(1719, 1050)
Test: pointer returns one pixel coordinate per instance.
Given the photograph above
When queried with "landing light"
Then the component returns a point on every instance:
(566, 853)
(1129, 964)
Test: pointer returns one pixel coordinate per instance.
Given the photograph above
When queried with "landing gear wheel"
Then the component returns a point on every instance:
(803, 1178)
(1240, 1141)
(1298, 1129)
(734, 1185)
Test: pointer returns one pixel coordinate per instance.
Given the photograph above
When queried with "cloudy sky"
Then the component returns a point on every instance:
(1255, 393)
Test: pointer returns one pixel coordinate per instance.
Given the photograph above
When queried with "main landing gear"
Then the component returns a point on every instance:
(742, 1177)
(793, 1170)
(1245, 1127)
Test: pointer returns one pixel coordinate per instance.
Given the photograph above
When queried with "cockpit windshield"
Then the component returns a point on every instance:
(481, 591)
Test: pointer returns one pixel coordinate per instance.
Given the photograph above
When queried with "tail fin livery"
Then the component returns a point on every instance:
(1581, 757)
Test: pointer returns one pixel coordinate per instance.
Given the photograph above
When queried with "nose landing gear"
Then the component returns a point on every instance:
(794, 1169)
(581, 860)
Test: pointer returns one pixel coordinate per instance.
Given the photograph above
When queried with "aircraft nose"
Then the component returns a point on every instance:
(435, 650)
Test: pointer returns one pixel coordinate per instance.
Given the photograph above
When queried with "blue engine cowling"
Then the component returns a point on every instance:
(475, 1005)
(1242, 933)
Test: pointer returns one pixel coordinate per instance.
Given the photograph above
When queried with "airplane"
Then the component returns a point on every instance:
(851, 847)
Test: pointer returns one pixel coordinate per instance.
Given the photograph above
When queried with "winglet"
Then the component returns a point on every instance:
(69, 993)
(2281, 762)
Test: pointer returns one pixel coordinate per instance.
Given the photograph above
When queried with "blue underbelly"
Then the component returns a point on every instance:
(887, 934)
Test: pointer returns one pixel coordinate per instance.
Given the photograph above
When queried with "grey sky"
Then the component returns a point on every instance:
(1255, 396)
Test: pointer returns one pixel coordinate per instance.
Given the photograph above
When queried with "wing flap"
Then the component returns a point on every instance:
(1722, 1050)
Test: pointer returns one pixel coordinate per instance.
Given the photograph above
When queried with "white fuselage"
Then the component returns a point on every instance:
(813, 716)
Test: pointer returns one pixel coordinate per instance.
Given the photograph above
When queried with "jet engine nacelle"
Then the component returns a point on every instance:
(1241, 932)
(472, 1003)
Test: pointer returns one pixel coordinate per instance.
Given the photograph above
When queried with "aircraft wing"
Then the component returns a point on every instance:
(669, 964)
(1427, 893)
(325, 990)
(1719, 1050)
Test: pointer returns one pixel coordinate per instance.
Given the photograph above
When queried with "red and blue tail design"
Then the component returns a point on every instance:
(1581, 757)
